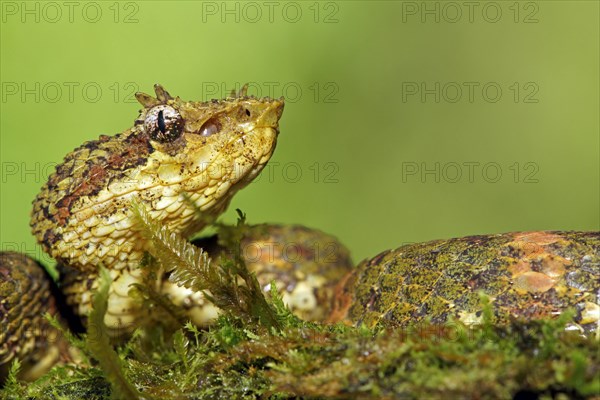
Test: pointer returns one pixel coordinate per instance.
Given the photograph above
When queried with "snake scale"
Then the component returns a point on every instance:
(183, 156)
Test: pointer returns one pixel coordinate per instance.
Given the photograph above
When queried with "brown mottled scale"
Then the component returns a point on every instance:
(179, 157)
(305, 264)
(526, 275)
(26, 294)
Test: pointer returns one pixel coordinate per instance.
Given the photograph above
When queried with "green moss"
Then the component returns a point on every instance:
(424, 361)
(258, 349)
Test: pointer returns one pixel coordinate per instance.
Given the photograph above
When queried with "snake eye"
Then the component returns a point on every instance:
(163, 123)
(210, 127)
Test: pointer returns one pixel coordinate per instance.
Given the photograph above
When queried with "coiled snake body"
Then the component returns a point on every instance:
(181, 157)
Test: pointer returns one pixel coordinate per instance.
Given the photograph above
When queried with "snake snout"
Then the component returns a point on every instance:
(270, 113)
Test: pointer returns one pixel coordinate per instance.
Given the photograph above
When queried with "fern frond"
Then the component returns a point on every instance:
(12, 381)
(191, 267)
(188, 264)
(99, 345)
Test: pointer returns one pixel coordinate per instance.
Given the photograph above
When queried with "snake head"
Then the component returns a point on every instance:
(224, 142)
(176, 151)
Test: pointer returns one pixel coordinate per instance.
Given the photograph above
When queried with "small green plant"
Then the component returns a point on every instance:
(258, 349)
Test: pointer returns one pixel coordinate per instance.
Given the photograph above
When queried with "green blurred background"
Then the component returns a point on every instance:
(404, 121)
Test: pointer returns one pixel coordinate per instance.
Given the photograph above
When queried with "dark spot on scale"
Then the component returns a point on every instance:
(91, 183)
(62, 214)
(91, 146)
(95, 144)
(50, 238)
(46, 212)
(140, 145)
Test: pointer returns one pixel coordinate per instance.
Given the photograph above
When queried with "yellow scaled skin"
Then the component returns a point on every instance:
(205, 151)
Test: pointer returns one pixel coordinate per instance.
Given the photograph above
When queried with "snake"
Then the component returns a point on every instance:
(183, 161)
(179, 157)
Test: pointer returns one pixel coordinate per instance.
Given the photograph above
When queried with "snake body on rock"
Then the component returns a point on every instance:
(524, 275)
(183, 161)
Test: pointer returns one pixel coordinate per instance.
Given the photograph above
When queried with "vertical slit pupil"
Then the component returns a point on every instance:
(161, 122)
